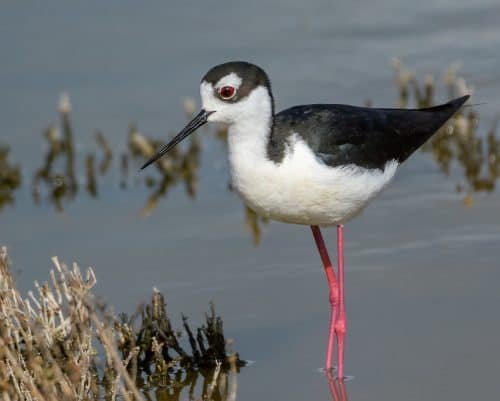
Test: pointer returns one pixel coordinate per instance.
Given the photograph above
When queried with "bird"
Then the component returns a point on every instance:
(318, 165)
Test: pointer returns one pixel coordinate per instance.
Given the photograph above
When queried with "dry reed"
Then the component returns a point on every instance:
(49, 344)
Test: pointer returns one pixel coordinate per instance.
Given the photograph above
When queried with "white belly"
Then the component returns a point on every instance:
(301, 189)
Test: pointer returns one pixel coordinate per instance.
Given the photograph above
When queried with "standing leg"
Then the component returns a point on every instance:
(341, 322)
(333, 293)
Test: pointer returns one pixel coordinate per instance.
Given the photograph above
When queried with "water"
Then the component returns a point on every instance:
(423, 270)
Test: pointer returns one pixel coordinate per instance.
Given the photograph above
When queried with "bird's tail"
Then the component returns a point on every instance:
(448, 108)
(421, 124)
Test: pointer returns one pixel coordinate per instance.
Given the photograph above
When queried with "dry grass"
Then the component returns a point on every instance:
(49, 342)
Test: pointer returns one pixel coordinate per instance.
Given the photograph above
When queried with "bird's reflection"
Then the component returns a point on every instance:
(336, 387)
(458, 143)
(213, 385)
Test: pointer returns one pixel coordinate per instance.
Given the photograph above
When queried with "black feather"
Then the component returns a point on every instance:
(367, 137)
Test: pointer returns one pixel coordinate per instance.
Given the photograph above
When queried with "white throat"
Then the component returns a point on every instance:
(249, 134)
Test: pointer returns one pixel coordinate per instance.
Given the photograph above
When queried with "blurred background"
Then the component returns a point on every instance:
(89, 89)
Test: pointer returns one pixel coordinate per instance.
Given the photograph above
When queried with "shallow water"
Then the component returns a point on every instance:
(423, 270)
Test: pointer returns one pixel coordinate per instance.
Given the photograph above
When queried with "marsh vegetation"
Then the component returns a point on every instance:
(60, 342)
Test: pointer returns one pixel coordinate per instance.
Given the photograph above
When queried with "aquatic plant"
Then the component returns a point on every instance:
(51, 344)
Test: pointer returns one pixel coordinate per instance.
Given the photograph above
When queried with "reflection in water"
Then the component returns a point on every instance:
(457, 143)
(107, 153)
(337, 388)
(215, 384)
(90, 174)
(10, 178)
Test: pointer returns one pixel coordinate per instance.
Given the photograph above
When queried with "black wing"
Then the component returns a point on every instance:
(368, 137)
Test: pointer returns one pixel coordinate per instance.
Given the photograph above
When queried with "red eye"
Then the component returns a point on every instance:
(226, 92)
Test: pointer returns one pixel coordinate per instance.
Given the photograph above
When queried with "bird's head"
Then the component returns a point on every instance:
(230, 92)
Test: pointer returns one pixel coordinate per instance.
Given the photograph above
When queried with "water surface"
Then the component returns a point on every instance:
(423, 270)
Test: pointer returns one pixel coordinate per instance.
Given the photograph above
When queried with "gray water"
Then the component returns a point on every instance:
(423, 270)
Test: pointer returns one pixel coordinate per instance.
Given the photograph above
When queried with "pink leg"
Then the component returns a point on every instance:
(333, 293)
(341, 322)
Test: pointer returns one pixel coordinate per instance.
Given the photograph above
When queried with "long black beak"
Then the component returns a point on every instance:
(193, 125)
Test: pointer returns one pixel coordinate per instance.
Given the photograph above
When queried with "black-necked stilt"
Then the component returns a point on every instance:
(317, 164)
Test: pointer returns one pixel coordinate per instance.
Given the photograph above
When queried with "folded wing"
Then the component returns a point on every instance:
(367, 137)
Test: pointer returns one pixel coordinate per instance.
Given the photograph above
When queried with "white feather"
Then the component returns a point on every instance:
(300, 189)
(232, 79)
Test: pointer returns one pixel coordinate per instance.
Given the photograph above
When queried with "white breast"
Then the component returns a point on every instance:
(301, 189)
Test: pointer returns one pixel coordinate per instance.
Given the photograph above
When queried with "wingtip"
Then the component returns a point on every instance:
(461, 100)
(458, 102)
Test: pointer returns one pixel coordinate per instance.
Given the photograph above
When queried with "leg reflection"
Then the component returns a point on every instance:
(337, 387)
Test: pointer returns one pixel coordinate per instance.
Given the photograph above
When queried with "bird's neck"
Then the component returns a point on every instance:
(248, 140)
(249, 137)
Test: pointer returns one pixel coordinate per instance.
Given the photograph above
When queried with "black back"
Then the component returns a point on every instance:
(368, 137)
